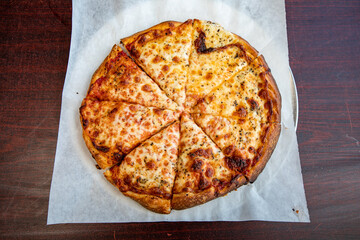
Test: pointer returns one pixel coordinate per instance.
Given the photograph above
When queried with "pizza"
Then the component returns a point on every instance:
(180, 114)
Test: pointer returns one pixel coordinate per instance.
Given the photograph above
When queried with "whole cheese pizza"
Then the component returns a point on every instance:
(181, 114)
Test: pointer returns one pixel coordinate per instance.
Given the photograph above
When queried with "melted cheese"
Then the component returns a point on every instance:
(209, 70)
(238, 97)
(150, 168)
(119, 127)
(201, 163)
(166, 59)
(233, 136)
(120, 79)
(216, 36)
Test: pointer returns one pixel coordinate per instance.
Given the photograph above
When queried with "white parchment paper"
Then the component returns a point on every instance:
(79, 192)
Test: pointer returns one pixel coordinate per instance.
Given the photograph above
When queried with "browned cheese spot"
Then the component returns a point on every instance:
(240, 112)
(251, 150)
(206, 153)
(124, 82)
(118, 157)
(197, 164)
(263, 94)
(132, 108)
(146, 88)
(236, 163)
(158, 111)
(209, 172)
(85, 123)
(209, 76)
(100, 148)
(229, 150)
(156, 59)
(176, 59)
(204, 183)
(95, 133)
(135, 53)
(137, 79)
(165, 68)
(167, 47)
(150, 165)
(142, 39)
(253, 104)
(127, 180)
(200, 44)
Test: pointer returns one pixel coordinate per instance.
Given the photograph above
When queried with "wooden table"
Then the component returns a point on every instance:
(325, 58)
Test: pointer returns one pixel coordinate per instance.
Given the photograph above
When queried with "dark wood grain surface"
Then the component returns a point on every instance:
(324, 46)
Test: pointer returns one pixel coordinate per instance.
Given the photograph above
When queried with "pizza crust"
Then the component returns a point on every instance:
(159, 27)
(268, 148)
(101, 70)
(103, 160)
(250, 51)
(191, 199)
(153, 203)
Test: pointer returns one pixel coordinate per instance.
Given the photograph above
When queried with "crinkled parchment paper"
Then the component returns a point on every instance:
(79, 192)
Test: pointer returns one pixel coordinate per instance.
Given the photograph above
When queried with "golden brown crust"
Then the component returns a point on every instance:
(270, 142)
(151, 202)
(272, 88)
(101, 70)
(104, 160)
(275, 98)
(191, 199)
(250, 51)
(188, 199)
(159, 27)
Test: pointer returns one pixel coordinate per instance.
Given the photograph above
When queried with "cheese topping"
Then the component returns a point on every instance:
(165, 57)
(240, 97)
(116, 128)
(238, 139)
(150, 168)
(216, 56)
(120, 79)
(201, 163)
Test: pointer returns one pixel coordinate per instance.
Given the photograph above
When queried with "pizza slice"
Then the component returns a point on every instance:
(247, 143)
(217, 36)
(251, 93)
(147, 173)
(119, 79)
(216, 55)
(163, 52)
(202, 169)
(113, 129)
